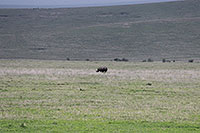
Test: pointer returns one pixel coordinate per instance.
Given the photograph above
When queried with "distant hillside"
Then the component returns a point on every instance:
(135, 32)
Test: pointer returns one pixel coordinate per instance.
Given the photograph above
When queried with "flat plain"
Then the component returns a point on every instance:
(69, 96)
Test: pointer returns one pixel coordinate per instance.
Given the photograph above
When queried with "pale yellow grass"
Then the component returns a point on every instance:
(165, 75)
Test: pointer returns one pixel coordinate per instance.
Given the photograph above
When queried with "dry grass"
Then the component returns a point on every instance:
(165, 75)
(49, 91)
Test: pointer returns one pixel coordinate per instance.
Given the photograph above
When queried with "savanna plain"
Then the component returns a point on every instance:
(48, 59)
(69, 96)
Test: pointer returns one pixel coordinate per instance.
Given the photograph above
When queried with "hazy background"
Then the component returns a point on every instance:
(70, 3)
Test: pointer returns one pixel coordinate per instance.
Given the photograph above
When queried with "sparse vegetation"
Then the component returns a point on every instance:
(102, 33)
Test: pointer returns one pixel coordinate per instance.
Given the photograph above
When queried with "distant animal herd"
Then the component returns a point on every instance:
(105, 69)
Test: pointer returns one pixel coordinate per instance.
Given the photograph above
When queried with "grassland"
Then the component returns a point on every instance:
(136, 32)
(69, 96)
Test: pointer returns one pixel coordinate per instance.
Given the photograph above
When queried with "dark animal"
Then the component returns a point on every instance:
(191, 60)
(102, 69)
(149, 84)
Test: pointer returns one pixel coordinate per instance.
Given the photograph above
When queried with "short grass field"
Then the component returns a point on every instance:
(69, 96)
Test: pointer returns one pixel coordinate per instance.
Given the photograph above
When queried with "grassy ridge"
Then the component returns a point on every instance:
(136, 32)
(70, 96)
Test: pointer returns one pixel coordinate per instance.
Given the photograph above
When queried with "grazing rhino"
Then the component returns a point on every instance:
(102, 69)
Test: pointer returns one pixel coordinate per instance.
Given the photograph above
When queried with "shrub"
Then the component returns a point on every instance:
(163, 60)
(123, 59)
(117, 59)
(150, 60)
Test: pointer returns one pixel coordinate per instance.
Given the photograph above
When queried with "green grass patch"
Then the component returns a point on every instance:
(130, 97)
(94, 126)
